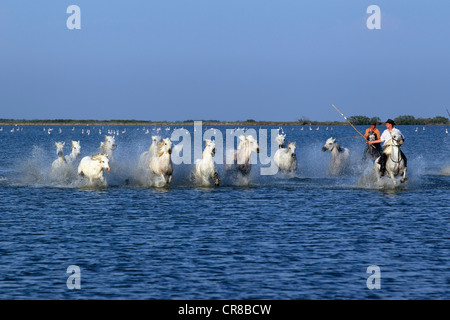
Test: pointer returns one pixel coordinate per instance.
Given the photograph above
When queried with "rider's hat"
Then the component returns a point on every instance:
(390, 121)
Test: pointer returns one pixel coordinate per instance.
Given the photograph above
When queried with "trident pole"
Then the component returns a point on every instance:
(350, 123)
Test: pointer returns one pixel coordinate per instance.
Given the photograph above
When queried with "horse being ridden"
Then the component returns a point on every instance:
(372, 152)
(392, 160)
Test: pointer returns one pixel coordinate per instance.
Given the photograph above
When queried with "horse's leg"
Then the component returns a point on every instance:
(216, 177)
(392, 176)
(377, 170)
(382, 161)
(404, 175)
(170, 178)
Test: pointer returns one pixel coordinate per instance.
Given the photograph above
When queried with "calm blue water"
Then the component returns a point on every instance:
(310, 236)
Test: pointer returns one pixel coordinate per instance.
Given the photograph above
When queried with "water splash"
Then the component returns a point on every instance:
(445, 171)
(312, 172)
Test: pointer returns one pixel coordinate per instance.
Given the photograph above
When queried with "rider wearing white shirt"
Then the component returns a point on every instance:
(386, 138)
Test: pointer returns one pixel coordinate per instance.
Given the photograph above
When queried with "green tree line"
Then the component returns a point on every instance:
(400, 120)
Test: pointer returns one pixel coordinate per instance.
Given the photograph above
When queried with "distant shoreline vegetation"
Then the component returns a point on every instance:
(356, 120)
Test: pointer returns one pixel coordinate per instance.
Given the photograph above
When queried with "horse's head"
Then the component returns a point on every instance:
(329, 144)
(241, 141)
(103, 160)
(397, 139)
(165, 146)
(280, 139)
(156, 139)
(252, 144)
(210, 146)
(110, 142)
(76, 147)
(291, 148)
(60, 148)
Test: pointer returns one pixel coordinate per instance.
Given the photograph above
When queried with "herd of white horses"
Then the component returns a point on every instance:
(156, 163)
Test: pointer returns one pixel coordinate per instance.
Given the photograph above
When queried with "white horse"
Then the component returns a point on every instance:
(161, 163)
(339, 157)
(93, 167)
(239, 160)
(108, 146)
(285, 158)
(205, 169)
(280, 139)
(395, 163)
(147, 155)
(76, 152)
(61, 161)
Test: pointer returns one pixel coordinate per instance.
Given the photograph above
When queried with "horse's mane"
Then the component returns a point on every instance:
(280, 138)
(159, 152)
(74, 143)
(98, 156)
(289, 144)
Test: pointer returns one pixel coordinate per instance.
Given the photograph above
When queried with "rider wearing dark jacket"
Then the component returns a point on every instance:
(372, 134)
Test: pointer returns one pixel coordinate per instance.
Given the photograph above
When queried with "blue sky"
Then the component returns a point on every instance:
(223, 59)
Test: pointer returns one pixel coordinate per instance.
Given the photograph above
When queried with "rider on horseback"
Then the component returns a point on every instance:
(372, 134)
(386, 138)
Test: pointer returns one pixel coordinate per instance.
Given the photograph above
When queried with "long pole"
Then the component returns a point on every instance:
(448, 112)
(351, 124)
